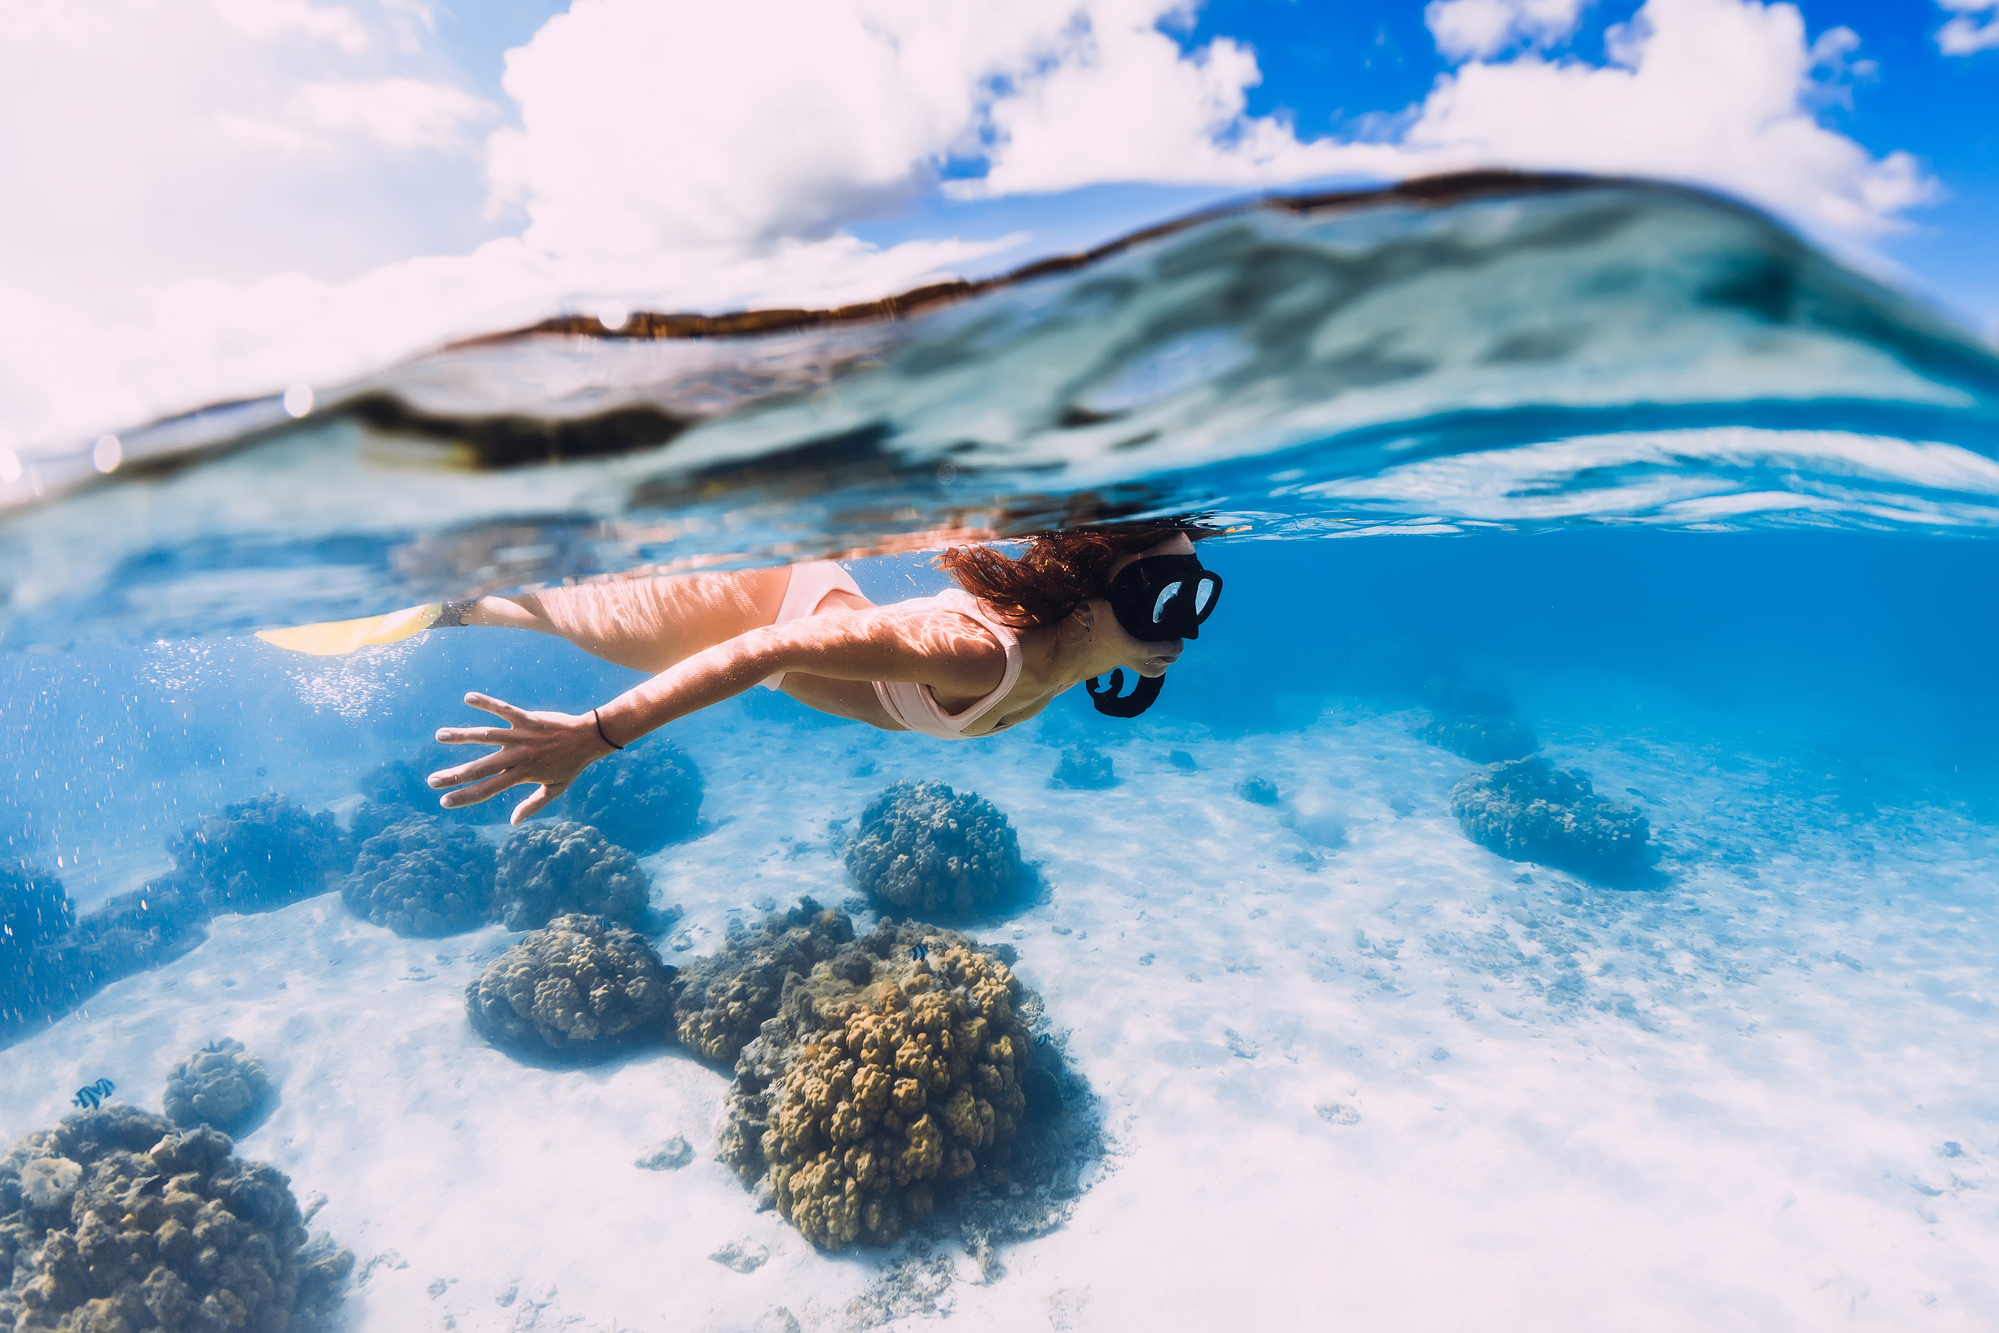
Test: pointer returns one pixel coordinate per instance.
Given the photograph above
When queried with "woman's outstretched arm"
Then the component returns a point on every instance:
(951, 653)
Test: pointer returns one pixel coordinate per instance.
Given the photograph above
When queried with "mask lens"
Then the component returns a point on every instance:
(1204, 595)
(1166, 595)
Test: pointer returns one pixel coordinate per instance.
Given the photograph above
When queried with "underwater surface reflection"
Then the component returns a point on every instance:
(1555, 887)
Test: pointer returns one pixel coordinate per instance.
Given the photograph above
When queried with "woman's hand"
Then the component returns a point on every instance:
(545, 748)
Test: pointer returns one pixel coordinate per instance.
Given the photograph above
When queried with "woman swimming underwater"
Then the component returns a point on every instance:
(965, 663)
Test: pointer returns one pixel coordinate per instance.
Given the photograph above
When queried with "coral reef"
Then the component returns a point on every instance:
(577, 988)
(1529, 810)
(259, 854)
(1257, 791)
(54, 971)
(722, 1000)
(1084, 769)
(893, 1071)
(548, 870)
(1479, 737)
(221, 1085)
(34, 908)
(113, 1220)
(643, 797)
(396, 790)
(926, 849)
(422, 877)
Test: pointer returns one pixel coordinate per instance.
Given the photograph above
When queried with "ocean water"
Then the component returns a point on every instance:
(1624, 474)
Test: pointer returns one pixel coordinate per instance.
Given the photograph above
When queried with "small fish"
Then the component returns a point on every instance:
(918, 951)
(95, 1093)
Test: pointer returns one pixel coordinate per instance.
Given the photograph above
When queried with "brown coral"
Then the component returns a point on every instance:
(895, 1069)
(922, 847)
(115, 1220)
(576, 987)
(722, 1000)
(221, 1085)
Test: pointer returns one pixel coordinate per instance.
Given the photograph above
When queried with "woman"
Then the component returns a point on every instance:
(963, 664)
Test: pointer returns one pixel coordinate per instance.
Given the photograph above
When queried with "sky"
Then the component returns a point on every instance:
(212, 199)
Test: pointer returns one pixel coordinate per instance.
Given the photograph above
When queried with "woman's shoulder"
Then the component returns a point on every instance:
(965, 604)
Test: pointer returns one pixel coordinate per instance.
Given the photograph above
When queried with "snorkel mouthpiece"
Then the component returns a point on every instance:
(1112, 704)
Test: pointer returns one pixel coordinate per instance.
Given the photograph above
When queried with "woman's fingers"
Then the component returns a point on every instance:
(488, 704)
(537, 798)
(484, 766)
(484, 791)
(473, 735)
(547, 749)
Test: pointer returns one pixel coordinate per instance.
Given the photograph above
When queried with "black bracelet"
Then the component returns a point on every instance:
(452, 614)
(600, 731)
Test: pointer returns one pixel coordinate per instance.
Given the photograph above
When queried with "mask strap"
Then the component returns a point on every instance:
(1111, 704)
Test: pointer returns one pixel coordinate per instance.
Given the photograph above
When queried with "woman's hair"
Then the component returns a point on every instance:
(1058, 571)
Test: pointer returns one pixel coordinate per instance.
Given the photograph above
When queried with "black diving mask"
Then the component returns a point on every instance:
(1158, 598)
(1164, 597)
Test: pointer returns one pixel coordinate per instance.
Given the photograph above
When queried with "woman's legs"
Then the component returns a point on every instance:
(647, 624)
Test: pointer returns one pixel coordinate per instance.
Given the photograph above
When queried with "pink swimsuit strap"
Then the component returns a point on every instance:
(810, 582)
(916, 707)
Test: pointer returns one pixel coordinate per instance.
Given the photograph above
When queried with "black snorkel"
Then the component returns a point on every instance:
(1155, 599)
(1112, 704)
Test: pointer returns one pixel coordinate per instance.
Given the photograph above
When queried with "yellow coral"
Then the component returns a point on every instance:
(847, 1124)
(872, 1089)
(908, 1096)
(913, 1081)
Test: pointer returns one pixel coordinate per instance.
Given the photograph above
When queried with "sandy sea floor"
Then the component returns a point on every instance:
(1353, 1071)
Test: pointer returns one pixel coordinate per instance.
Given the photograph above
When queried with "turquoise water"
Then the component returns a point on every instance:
(1625, 479)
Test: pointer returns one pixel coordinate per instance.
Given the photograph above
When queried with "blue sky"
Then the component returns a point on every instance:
(221, 197)
(1330, 67)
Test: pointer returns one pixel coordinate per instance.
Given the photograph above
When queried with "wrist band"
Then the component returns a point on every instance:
(600, 731)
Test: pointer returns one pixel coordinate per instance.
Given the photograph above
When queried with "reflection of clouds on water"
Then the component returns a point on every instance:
(350, 685)
(1376, 363)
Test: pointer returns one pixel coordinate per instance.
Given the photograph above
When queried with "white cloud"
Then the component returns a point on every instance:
(688, 154)
(1713, 92)
(265, 20)
(146, 142)
(1964, 33)
(1467, 29)
(681, 123)
(397, 113)
(1117, 100)
(691, 123)
(67, 373)
(1720, 93)
(411, 21)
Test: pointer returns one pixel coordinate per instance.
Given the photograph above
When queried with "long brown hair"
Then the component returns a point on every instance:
(1058, 571)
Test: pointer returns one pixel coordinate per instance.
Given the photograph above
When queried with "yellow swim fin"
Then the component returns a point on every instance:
(336, 638)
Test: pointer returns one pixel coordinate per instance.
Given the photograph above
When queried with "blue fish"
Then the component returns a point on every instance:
(95, 1093)
(918, 951)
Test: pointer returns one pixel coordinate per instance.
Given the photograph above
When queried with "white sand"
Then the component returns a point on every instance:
(1378, 1086)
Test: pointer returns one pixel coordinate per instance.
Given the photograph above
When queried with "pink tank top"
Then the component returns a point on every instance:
(915, 706)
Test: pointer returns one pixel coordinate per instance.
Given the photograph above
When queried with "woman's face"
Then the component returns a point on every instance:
(1146, 657)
